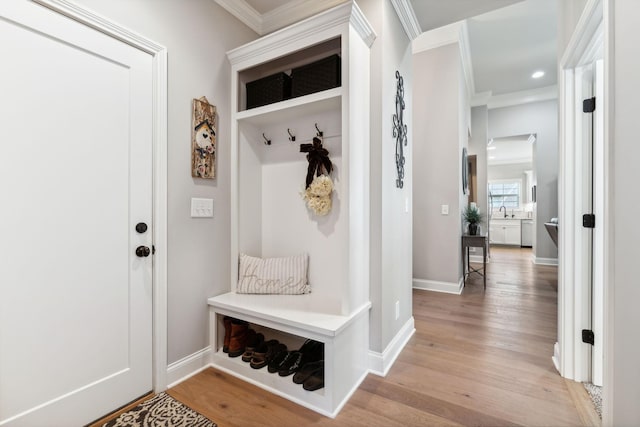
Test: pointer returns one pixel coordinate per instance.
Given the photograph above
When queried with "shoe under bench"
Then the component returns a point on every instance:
(292, 319)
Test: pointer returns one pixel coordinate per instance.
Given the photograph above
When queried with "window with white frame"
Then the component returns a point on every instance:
(505, 193)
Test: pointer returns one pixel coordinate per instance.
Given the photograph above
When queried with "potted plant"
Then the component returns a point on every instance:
(473, 217)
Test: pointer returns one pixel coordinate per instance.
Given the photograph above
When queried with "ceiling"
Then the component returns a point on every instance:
(513, 149)
(508, 39)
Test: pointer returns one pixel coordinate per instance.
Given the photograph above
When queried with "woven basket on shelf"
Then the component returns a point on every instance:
(315, 77)
(267, 90)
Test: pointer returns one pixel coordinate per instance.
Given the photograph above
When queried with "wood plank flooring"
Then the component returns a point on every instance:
(482, 358)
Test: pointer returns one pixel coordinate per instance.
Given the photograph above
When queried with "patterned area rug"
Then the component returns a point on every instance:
(595, 393)
(161, 411)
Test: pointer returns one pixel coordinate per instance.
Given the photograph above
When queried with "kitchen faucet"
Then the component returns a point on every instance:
(505, 210)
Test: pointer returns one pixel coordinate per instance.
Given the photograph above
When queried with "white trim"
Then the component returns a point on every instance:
(556, 356)
(522, 97)
(293, 12)
(252, 52)
(159, 64)
(545, 261)
(467, 64)
(189, 366)
(380, 363)
(407, 17)
(439, 37)
(573, 301)
(436, 286)
(244, 12)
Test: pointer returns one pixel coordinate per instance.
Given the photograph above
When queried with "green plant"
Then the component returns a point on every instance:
(472, 215)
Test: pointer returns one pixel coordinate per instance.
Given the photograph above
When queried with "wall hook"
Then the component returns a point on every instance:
(319, 132)
(266, 141)
(292, 138)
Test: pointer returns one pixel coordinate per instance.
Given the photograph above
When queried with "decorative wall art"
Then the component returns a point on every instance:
(400, 130)
(318, 189)
(203, 139)
(465, 172)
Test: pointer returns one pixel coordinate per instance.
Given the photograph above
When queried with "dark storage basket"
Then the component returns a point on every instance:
(267, 90)
(315, 77)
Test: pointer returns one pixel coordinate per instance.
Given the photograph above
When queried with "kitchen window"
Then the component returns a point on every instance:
(505, 193)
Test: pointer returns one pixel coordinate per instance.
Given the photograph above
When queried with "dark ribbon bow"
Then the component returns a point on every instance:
(318, 158)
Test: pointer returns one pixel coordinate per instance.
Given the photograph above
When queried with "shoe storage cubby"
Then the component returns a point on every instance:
(270, 219)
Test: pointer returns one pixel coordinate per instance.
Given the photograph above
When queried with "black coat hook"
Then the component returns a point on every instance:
(319, 132)
(266, 141)
(292, 138)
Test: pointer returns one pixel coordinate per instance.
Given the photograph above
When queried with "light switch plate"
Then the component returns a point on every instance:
(201, 208)
(445, 209)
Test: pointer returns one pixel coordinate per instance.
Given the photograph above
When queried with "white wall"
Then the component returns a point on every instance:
(540, 118)
(437, 164)
(624, 292)
(508, 171)
(391, 225)
(197, 34)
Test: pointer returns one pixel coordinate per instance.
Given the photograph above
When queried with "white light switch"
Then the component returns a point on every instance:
(201, 208)
(445, 209)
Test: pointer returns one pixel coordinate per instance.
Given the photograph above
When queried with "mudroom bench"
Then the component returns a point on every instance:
(291, 319)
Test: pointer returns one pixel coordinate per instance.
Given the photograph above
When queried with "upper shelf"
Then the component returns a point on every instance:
(319, 102)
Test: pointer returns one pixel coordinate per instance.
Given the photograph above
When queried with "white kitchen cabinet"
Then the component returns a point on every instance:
(505, 232)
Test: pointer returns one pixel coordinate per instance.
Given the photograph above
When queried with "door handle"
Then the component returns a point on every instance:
(143, 251)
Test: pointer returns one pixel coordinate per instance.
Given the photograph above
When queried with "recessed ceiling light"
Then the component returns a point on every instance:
(491, 148)
(537, 74)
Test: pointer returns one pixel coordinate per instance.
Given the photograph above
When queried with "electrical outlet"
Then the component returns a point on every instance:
(397, 310)
(445, 209)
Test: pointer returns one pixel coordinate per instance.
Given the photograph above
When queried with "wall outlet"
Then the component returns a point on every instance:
(445, 209)
(397, 310)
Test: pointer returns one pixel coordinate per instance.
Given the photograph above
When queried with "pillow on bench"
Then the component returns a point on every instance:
(284, 276)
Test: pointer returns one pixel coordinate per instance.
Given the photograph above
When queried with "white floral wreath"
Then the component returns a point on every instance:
(318, 195)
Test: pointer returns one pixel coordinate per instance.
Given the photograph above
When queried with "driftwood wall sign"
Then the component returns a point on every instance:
(203, 139)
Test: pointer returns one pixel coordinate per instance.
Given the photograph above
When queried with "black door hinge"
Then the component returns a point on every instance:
(588, 337)
(589, 105)
(589, 221)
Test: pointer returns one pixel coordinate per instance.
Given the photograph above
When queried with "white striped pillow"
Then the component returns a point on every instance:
(284, 276)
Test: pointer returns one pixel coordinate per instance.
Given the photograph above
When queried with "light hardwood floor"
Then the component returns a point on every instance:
(482, 358)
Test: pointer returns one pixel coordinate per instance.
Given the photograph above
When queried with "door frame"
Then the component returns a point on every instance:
(572, 357)
(159, 138)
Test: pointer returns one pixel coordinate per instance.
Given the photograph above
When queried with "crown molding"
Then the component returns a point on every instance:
(407, 17)
(344, 13)
(438, 37)
(546, 93)
(465, 55)
(293, 12)
(244, 12)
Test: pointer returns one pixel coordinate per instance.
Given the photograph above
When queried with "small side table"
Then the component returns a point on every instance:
(477, 241)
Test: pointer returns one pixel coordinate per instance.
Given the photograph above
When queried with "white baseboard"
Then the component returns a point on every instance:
(188, 366)
(380, 363)
(545, 261)
(435, 286)
(556, 357)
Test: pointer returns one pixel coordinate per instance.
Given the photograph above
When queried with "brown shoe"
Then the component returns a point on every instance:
(227, 333)
(253, 341)
(238, 340)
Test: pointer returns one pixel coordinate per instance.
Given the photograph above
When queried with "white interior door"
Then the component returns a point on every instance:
(75, 179)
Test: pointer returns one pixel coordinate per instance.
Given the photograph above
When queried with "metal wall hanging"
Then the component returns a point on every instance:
(400, 130)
